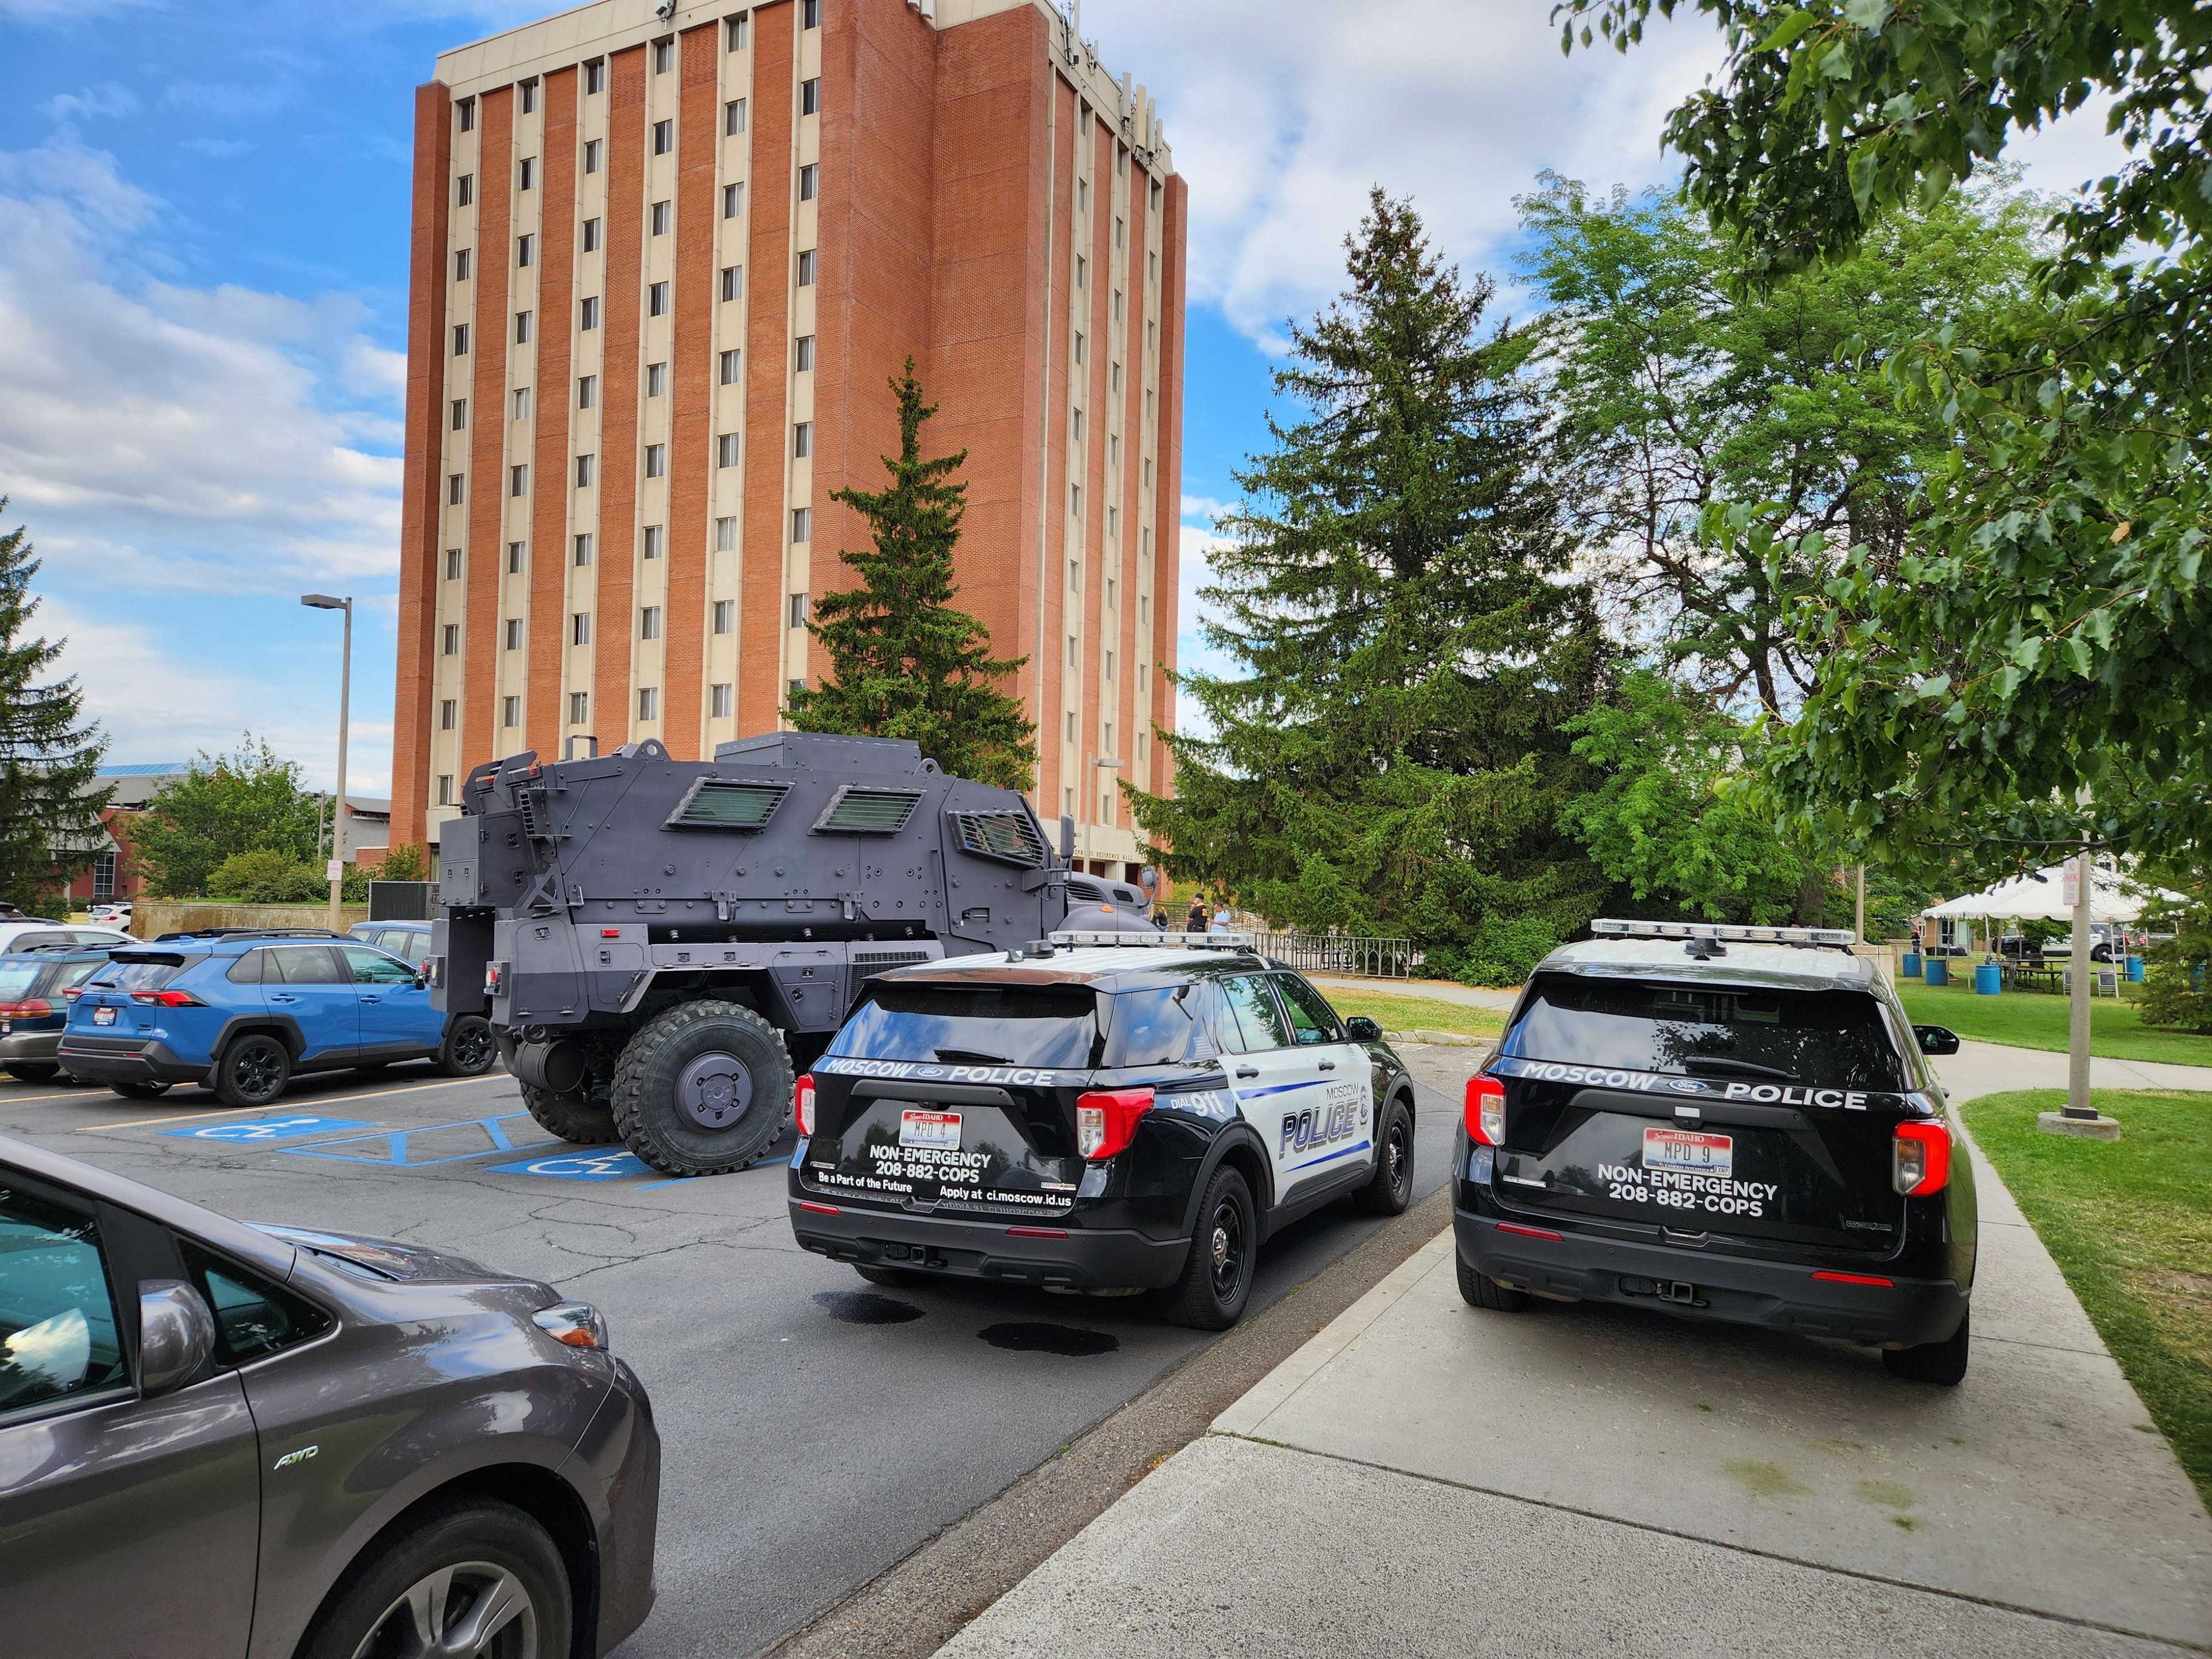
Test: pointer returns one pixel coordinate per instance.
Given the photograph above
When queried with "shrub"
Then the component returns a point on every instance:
(266, 877)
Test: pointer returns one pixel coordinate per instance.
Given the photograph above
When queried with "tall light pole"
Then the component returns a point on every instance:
(336, 871)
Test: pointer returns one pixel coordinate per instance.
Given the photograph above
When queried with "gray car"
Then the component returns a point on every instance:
(256, 1443)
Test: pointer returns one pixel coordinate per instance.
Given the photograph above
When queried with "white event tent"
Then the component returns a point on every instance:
(2041, 896)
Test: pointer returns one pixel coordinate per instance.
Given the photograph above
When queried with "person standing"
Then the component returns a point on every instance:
(1195, 921)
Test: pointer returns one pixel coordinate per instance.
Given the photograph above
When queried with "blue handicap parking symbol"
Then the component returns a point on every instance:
(254, 1130)
(579, 1166)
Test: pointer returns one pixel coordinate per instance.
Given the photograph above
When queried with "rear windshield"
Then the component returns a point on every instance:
(139, 973)
(16, 979)
(1830, 1037)
(974, 1025)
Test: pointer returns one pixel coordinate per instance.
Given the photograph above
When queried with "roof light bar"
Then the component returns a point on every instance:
(1606, 927)
(1153, 940)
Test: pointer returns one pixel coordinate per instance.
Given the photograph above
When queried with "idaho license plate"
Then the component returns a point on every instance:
(103, 1016)
(1688, 1149)
(936, 1132)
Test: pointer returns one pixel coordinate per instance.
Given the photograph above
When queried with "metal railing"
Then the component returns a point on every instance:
(1353, 955)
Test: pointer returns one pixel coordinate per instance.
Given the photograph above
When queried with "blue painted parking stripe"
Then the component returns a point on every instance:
(396, 1140)
(1326, 1158)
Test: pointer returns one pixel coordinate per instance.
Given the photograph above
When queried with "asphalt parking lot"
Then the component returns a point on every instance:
(815, 1429)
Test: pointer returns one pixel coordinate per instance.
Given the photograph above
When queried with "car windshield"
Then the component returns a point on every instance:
(974, 1025)
(1835, 1038)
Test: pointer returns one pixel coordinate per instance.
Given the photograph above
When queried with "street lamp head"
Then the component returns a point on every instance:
(1109, 765)
(324, 602)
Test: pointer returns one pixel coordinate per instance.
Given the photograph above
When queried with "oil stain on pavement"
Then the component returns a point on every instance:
(865, 1308)
(1033, 1337)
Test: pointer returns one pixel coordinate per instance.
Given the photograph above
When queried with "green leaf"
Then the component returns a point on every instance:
(1868, 14)
(1785, 35)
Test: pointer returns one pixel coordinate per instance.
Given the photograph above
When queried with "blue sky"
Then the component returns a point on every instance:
(202, 308)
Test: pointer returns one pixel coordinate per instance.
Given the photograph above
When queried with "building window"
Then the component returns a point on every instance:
(1078, 346)
(1105, 807)
(1082, 271)
(517, 479)
(664, 138)
(522, 328)
(656, 299)
(1071, 725)
(514, 556)
(1074, 576)
(1113, 525)
(464, 190)
(1113, 449)
(735, 33)
(806, 267)
(1117, 305)
(1109, 739)
(656, 461)
(583, 546)
(733, 200)
(724, 612)
(810, 14)
(587, 391)
(1110, 665)
(1067, 799)
(810, 96)
(804, 358)
(1078, 425)
(802, 439)
(1109, 591)
(510, 712)
(718, 702)
(460, 265)
(1152, 263)
(1083, 196)
(595, 77)
(734, 282)
(730, 362)
(580, 628)
(585, 466)
(798, 685)
(1071, 650)
(460, 339)
(593, 149)
(525, 174)
(453, 564)
(664, 57)
(530, 97)
(802, 524)
(1117, 377)
(663, 215)
(726, 535)
(648, 623)
(449, 714)
(445, 788)
(587, 313)
(522, 403)
(810, 181)
(1121, 229)
(733, 117)
(798, 610)
(511, 634)
(1075, 500)
(451, 642)
(590, 236)
(656, 380)
(460, 413)
(656, 541)
(465, 110)
(648, 702)
(726, 450)
(456, 489)
(579, 708)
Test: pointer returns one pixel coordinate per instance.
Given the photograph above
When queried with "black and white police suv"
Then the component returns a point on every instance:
(1094, 1112)
(1733, 1122)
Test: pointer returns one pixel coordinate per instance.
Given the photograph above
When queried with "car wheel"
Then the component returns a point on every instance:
(32, 1070)
(584, 1119)
(1480, 1290)
(1391, 1189)
(469, 1048)
(704, 1089)
(1217, 1280)
(892, 1278)
(253, 1071)
(140, 1090)
(485, 1580)
(1944, 1364)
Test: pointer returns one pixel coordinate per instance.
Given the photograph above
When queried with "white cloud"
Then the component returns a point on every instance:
(62, 12)
(81, 182)
(106, 101)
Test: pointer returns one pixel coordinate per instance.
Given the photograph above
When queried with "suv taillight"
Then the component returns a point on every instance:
(1106, 1119)
(1920, 1158)
(802, 1104)
(167, 998)
(1485, 1111)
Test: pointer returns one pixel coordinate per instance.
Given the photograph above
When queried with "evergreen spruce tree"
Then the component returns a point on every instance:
(50, 754)
(903, 662)
(1397, 591)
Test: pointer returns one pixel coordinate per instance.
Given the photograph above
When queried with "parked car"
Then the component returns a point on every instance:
(1733, 1123)
(243, 1011)
(35, 935)
(408, 940)
(1099, 1111)
(115, 913)
(218, 1439)
(35, 992)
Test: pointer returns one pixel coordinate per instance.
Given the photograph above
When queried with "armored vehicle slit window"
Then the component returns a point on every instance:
(972, 1025)
(727, 804)
(1012, 836)
(875, 812)
(1255, 1022)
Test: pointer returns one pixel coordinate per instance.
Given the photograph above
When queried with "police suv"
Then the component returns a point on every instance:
(1738, 1123)
(1094, 1112)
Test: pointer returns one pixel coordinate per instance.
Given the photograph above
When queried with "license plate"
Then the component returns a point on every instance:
(1688, 1149)
(103, 1016)
(936, 1132)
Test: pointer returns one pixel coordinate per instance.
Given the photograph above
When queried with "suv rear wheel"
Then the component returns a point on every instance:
(253, 1071)
(704, 1089)
(1941, 1363)
(1480, 1290)
(1217, 1280)
(481, 1580)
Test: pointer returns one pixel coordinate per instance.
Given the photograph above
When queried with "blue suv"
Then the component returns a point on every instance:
(241, 1013)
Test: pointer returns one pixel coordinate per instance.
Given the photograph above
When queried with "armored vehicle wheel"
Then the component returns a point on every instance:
(584, 1119)
(704, 1089)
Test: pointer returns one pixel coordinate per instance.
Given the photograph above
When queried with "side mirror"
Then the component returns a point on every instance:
(176, 1334)
(422, 979)
(1936, 1039)
(1363, 1030)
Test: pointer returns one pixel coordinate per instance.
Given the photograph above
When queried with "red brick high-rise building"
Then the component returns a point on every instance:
(665, 259)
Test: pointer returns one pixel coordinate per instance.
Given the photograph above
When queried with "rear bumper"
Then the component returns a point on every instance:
(1742, 1290)
(24, 1047)
(126, 1060)
(1014, 1252)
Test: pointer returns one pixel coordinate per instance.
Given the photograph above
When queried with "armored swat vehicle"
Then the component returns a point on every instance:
(658, 943)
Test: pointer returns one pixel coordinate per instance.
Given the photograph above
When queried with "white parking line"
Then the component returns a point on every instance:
(273, 1106)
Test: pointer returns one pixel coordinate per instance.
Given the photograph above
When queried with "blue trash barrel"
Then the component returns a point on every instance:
(1911, 964)
(1989, 979)
(1939, 971)
(2135, 969)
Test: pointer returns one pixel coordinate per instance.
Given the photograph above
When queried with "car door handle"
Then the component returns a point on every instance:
(1248, 1071)
(281, 996)
(366, 998)
(1328, 1066)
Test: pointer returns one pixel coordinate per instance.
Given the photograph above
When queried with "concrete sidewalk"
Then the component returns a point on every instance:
(1436, 990)
(1422, 1479)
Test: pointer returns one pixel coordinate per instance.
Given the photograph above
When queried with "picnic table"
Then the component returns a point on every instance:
(2046, 976)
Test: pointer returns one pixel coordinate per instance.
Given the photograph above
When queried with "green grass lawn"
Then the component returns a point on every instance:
(2037, 1019)
(2129, 1224)
(1404, 1013)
